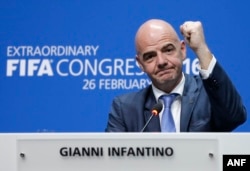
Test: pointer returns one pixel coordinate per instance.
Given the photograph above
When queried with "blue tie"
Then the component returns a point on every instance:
(167, 121)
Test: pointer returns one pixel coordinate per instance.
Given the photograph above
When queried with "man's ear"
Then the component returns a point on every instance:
(183, 50)
(139, 63)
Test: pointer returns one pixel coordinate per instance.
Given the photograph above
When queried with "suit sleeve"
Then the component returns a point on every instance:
(115, 120)
(228, 111)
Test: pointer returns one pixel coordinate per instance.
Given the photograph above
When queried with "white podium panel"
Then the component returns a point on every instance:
(124, 151)
(118, 154)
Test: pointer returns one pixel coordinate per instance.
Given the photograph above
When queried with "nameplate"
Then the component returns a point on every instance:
(118, 154)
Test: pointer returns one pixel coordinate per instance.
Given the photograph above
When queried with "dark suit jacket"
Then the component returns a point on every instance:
(207, 106)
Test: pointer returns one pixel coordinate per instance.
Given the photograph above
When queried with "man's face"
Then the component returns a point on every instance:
(160, 56)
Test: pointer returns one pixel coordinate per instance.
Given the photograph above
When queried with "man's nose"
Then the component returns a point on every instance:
(161, 61)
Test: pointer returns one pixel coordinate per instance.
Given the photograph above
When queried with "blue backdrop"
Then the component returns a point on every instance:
(62, 62)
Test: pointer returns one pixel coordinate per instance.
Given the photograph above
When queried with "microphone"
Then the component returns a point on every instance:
(155, 111)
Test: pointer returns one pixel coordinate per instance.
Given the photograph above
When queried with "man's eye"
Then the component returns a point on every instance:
(169, 49)
(147, 57)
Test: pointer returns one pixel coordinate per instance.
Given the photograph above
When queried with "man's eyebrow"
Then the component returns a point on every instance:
(162, 48)
(167, 45)
(148, 53)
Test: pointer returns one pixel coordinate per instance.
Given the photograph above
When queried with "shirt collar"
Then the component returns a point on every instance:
(178, 89)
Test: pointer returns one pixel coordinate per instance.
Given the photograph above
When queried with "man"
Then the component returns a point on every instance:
(205, 103)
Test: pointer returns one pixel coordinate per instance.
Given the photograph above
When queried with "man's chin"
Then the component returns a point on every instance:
(166, 78)
(165, 81)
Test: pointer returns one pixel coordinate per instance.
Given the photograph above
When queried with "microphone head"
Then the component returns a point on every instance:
(157, 108)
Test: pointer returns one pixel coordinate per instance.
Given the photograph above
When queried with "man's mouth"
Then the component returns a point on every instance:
(163, 72)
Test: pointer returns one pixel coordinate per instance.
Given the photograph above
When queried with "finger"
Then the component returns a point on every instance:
(181, 29)
(185, 31)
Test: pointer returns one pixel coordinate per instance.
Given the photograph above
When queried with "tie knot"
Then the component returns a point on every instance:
(168, 99)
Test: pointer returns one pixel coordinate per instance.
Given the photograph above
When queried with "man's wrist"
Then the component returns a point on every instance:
(206, 72)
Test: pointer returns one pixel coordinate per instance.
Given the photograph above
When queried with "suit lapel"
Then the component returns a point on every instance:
(189, 98)
(154, 125)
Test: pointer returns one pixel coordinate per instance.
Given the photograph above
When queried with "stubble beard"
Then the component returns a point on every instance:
(168, 83)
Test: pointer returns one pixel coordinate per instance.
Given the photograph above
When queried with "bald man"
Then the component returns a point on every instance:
(205, 103)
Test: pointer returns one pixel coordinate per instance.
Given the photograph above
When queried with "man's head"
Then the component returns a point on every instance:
(160, 53)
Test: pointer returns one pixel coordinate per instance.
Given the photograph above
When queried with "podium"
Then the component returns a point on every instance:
(124, 151)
